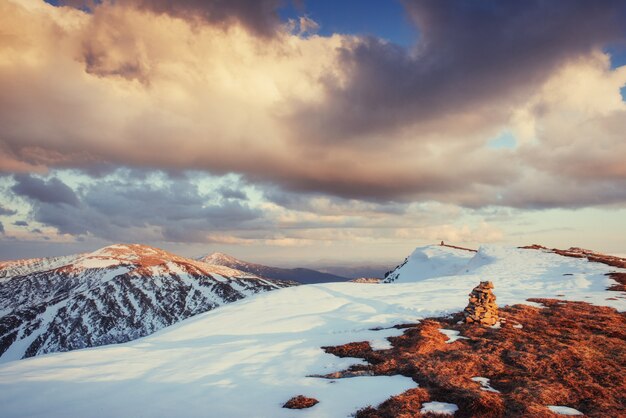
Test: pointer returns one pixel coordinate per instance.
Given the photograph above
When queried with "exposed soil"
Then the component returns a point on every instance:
(567, 353)
(300, 402)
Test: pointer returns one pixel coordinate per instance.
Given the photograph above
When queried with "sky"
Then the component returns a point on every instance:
(302, 132)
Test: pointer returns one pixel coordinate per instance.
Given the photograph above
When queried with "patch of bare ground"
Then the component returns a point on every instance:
(568, 353)
(300, 402)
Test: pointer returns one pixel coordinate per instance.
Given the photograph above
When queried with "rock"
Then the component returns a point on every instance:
(482, 306)
(300, 402)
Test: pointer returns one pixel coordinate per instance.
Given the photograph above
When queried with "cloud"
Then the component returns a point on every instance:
(1, 229)
(471, 56)
(139, 206)
(52, 191)
(232, 193)
(123, 207)
(260, 16)
(6, 212)
(307, 25)
(20, 223)
(145, 85)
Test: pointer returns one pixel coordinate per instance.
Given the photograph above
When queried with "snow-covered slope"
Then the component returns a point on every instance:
(431, 261)
(116, 294)
(247, 358)
(300, 275)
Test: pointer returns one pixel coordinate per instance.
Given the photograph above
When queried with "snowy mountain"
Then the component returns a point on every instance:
(113, 295)
(248, 358)
(300, 275)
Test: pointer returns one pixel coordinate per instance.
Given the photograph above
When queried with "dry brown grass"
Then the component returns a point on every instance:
(300, 402)
(568, 353)
(620, 278)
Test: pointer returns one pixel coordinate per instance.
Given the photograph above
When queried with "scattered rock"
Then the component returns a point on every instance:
(300, 402)
(482, 308)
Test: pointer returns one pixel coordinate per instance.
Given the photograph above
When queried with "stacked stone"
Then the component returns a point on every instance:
(482, 308)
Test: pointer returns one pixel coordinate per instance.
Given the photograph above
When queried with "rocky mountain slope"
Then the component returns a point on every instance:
(113, 295)
(269, 347)
(300, 275)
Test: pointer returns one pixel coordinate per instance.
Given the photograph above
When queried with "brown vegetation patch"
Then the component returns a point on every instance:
(620, 278)
(360, 349)
(568, 353)
(533, 247)
(300, 402)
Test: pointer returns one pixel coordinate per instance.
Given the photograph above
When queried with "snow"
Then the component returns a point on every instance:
(249, 352)
(432, 261)
(17, 350)
(442, 408)
(533, 273)
(452, 335)
(484, 384)
(91, 262)
(249, 357)
(564, 410)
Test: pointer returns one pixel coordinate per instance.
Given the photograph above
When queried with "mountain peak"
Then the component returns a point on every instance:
(221, 259)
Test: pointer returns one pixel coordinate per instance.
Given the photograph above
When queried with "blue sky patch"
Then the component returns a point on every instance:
(505, 140)
(380, 18)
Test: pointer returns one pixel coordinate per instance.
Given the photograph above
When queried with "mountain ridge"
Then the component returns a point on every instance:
(299, 274)
(115, 294)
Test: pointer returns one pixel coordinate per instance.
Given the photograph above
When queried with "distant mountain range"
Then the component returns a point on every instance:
(355, 270)
(113, 295)
(300, 275)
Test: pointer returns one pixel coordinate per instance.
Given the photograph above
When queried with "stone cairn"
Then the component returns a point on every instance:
(482, 308)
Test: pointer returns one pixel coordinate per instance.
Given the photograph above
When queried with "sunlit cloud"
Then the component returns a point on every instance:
(218, 123)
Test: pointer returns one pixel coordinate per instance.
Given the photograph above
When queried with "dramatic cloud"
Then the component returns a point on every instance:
(203, 86)
(148, 207)
(117, 209)
(52, 191)
(470, 56)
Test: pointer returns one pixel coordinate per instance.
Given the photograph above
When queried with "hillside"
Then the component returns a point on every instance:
(249, 357)
(300, 275)
(113, 295)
